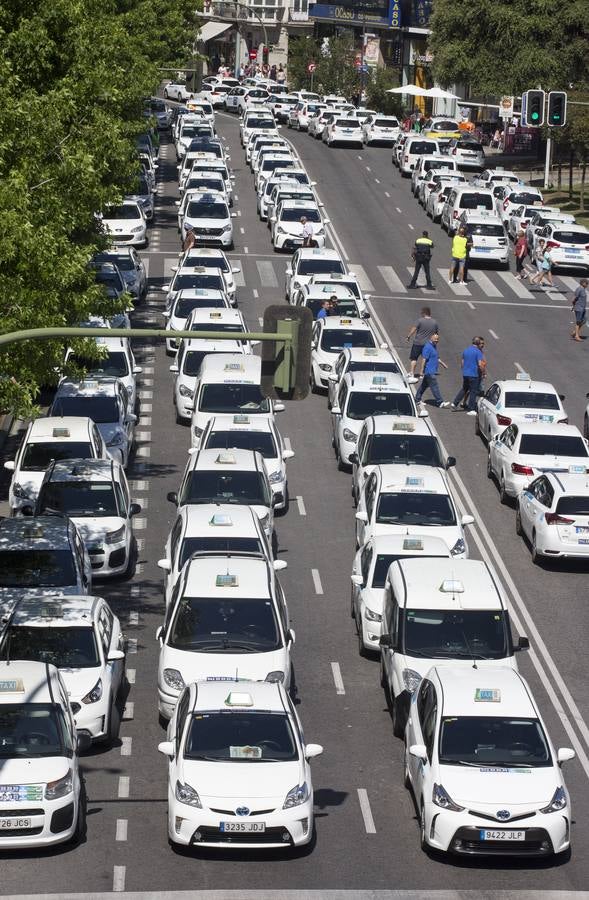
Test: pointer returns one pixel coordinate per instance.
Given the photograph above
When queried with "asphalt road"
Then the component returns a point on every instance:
(367, 834)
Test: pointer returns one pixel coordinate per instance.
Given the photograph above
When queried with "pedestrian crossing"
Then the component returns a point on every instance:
(266, 275)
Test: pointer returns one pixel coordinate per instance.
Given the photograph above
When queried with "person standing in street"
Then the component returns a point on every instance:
(520, 251)
(421, 333)
(280, 75)
(545, 270)
(579, 308)
(431, 364)
(422, 254)
(472, 359)
(189, 241)
(307, 232)
(459, 247)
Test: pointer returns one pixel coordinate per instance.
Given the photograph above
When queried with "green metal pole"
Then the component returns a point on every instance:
(45, 334)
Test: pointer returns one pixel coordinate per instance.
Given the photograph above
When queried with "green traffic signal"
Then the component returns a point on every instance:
(557, 103)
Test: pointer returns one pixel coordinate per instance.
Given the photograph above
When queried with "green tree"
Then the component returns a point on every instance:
(378, 98)
(335, 72)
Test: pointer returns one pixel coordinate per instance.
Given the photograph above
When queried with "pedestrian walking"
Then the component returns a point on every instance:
(280, 75)
(520, 251)
(538, 254)
(422, 254)
(469, 243)
(545, 269)
(190, 240)
(273, 72)
(421, 333)
(459, 245)
(308, 240)
(579, 308)
(431, 364)
(472, 358)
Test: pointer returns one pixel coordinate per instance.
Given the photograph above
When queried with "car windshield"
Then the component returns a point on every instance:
(125, 211)
(185, 305)
(241, 487)
(233, 398)
(386, 123)
(200, 210)
(240, 737)
(194, 280)
(214, 184)
(69, 648)
(413, 449)
(31, 730)
(364, 365)
(573, 506)
(124, 262)
(217, 545)
(294, 215)
(114, 364)
(362, 404)
(260, 123)
(110, 279)
(493, 741)
(344, 307)
(476, 201)
(234, 327)
(215, 262)
(469, 147)
(262, 441)
(520, 198)
(572, 237)
(531, 400)
(334, 340)
(415, 508)
(34, 568)
(38, 456)
(552, 445)
(99, 409)
(451, 634)
(486, 229)
(224, 625)
(193, 361)
(319, 266)
(78, 498)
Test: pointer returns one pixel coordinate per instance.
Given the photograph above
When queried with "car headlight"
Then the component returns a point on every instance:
(297, 795)
(296, 285)
(265, 520)
(113, 537)
(411, 680)
(197, 433)
(174, 679)
(459, 547)
(558, 802)
(349, 436)
(137, 229)
(276, 677)
(119, 437)
(185, 392)
(60, 788)
(19, 492)
(372, 616)
(281, 230)
(443, 799)
(95, 694)
(325, 367)
(129, 389)
(227, 227)
(186, 794)
(275, 477)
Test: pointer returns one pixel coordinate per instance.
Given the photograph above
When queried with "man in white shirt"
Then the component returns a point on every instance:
(307, 232)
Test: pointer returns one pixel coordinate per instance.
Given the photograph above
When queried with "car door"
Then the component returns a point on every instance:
(366, 558)
(390, 626)
(337, 417)
(369, 505)
(486, 407)
(535, 501)
(501, 449)
(418, 715)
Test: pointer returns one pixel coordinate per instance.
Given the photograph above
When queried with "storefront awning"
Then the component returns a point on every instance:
(212, 30)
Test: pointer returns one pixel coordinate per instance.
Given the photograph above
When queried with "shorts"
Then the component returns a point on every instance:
(580, 318)
(416, 350)
(459, 262)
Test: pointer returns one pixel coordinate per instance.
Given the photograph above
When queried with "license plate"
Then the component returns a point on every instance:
(571, 251)
(488, 835)
(482, 249)
(531, 417)
(242, 826)
(12, 824)
(581, 529)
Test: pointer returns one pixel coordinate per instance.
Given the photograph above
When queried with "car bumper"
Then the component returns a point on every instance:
(575, 261)
(129, 240)
(215, 240)
(200, 827)
(386, 140)
(166, 703)
(346, 139)
(48, 822)
(492, 255)
(560, 549)
(92, 718)
(108, 560)
(460, 833)
(291, 242)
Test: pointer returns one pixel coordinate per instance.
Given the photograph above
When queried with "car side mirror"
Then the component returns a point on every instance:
(288, 271)
(423, 414)
(365, 315)
(83, 741)
(165, 288)
(467, 520)
(165, 565)
(167, 748)
(233, 215)
(562, 397)
(235, 269)
(279, 565)
(115, 655)
(277, 498)
(291, 636)
(137, 370)
(564, 754)
(327, 221)
(10, 465)
(523, 643)
(159, 633)
(313, 750)
(361, 516)
(354, 459)
(419, 751)
(177, 202)
(336, 411)
(450, 462)
(172, 497)
(278, 406)
(27, 511)
(357, 580)
(385, 641)
(274, 219)
(134, 509)
(174, 368)
(131, 417)
(287, 454)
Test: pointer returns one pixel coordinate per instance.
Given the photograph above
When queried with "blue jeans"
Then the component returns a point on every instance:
(470, 386)
(431, 382)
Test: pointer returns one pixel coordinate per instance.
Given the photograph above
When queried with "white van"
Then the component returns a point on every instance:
(450, 610)
(463, 197)
(229, 384)
(414, 148)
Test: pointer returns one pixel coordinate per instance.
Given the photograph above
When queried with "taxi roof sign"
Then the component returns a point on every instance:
(12, 686)
(52, 610)
(226, 458)
(403, 426)
(379, 380)
(451, 586)
(370, 351)
(412, 544)
(240, 419)
(414, 481)
(239, 698)
(226, 580)
(31, 532)
(221, 519)
(523, 376)
(61, 432)
(234, 367)
(487, 695)
(345, 321)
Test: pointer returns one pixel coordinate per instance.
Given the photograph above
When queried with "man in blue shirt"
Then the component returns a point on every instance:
(431, 363)
(473, 362)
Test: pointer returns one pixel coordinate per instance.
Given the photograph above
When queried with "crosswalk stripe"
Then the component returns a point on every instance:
(392, 280)
(411, 270)
(569, 282)
(485, 283)
(239, 278)
(169, 261)
(460, 289)
(556, 295)
(516, 286)
(363, 279)
(266, 273)
(145, 260)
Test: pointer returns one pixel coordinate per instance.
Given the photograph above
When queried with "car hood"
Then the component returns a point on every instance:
(487, 788)
(93, 528)
(448, 533)
(198, 666)
(121, 224)
(79, 682)
(34, 771)
(421, 665)
(202, 222)
(9, 596)
(243, 783)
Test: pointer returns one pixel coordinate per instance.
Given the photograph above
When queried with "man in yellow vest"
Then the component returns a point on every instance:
(459, 249)
(422, 254)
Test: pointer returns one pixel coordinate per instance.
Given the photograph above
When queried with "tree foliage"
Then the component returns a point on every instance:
(335, 72)
(72, 78)
(378, 98)
(508, 46)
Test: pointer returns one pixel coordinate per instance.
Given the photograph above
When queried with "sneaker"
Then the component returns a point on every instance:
(450, 281)
(454, 408)
(471, 412)
(430, 287)
(412, 379)
(444, 404)
(411, 287)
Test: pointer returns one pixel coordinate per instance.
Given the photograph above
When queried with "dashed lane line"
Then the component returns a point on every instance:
(301, 506)
(317, 581)
(366, 811)
(122, 828)
(337, 678)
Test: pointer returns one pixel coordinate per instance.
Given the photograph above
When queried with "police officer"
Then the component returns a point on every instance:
(422, 254)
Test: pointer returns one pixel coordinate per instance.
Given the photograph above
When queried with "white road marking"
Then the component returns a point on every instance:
(317, 581)
(412, 227)
(260, 321)
(493, 335)
(126, 746)
(147, 382)
(143, 451)
(241, 229)
(516, 286)
(368, 169)
(245, 250)
(301, 506)
(255, 293)
(139, 523)
(485, 284)
(460, 289)
(392, 280)
(398, 208)
(133, 618)
(571, 283)
(386, 193)
(287, 444)
(363, 279)
(472, 306)
(143, 435)
(131, 675)
(366, 811)
(337, 678)
(377, 181)
(148, 370)
(359, 157)
(239, 212)
(519, 368)
(239, 278)
(129, 711)
(118, 878)
(266, 273)
(131, 644)
(123, 791)
(121, 832)
(138, 486)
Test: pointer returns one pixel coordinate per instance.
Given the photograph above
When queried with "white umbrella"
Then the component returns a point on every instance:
(412, 89)
(438, 94)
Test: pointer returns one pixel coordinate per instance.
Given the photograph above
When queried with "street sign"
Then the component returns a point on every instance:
(311, 67)
(253, 54)
(506, 107)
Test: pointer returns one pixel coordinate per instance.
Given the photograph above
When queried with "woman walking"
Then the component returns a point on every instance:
(521, 251)
(545, 268)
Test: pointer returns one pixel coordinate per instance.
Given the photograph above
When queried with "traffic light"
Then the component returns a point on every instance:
(286, 367)
(557, 109)
(533, 108)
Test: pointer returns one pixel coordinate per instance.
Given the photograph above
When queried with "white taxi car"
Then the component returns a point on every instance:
(414, 500)
(227, 613)
(210, 218)
(488, 178)
(211, 258)
(363, 394)
(331, 335)
(344, 130)
(567, 244)
(349, 280)
(512, 197)
(186, 368)
(228, 320)
(342, 301)
(522, 452)
(42, 796)
(553, 513)
(212, 529)
(253, 433)
(519, 219)
(307, 263)
(53, 437)
(83, 638)
(286, 226)
(387, 440)
(489, 240)
(484, 775)
(238, 768)
(380, 129)
(183, 306)
(369, 575)
(361, 359)
(519, 400)
(116, 361)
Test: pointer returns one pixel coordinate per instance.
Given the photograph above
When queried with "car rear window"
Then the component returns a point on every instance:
(522, 197)
(470, 147)
(475, 201)
(420, 148)
(386, 123)
(347, 123)
(553, 445)
(530, 400)
(487, 230)
(573, 506)
(571, 237)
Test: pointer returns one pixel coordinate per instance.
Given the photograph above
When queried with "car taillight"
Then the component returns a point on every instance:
(505, 204)
(555, 519)
(523, 224)
(406, 158)
(503, 420)
(551, 244)
(454, 152)
(521, 470)
(586, 246)
(431, 184)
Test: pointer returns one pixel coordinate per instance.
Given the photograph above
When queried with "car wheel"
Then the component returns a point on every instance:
(489, 468)
(398, 717)
(361, 650)
(406, 779)
(503, 495)
(518, 522)
(535, 554)
(79, 835)
(132, 562)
